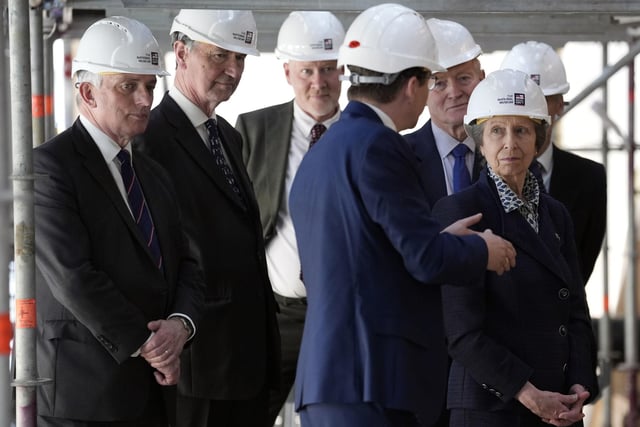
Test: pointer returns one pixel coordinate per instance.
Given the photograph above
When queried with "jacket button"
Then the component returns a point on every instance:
(563, 293)
(562, 330)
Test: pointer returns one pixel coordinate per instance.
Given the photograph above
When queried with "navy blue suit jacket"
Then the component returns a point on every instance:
(532, 323)
(372, 257)
(424, 145)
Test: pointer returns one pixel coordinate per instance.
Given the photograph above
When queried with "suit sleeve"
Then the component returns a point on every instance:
(395, 199)
(63, 258)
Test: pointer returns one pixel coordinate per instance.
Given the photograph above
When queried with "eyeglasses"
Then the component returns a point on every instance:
(440, 84)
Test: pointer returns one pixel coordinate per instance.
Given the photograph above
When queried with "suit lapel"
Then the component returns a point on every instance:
(96, 166)
(431, 165)
(188, 138)
(277, 154)
(515, 228)
(154, 198)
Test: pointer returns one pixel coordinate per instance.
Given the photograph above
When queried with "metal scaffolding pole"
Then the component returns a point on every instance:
(604, 325)
(6, 330)
(630, 330)
(37, 75)
(23, 213)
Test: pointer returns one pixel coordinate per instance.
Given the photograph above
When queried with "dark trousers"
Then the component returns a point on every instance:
(194, 412)
(291, 324)
(355, 415)
(154, 415)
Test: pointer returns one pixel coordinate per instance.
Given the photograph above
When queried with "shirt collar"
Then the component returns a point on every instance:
(445, 142)
(386, 120)
(306, 122)
(108, 147)
(509, 199)
(195, 115)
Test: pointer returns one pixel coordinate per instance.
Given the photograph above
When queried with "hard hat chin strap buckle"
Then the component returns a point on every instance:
(356, 79)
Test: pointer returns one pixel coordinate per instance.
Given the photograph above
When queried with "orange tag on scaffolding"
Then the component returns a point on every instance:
(25, 313)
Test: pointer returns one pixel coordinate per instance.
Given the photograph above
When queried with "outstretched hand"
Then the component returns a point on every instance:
(501, 253)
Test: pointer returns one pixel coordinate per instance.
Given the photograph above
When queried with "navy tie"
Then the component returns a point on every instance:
(138, 206)
(316, 132)
(461, 176)
(215, 145)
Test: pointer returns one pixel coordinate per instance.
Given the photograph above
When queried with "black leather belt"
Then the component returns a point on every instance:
(285, 301)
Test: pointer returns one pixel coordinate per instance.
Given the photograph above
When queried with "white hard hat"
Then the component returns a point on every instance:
(507, 92)
(121, 45)
(310, 36)
(541, 63)
(455, 43)
(389, 38)
(233, 30)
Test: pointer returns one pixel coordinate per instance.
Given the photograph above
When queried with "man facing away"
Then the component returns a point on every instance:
(230, 366)
(373, 351)
(275, 140)
(119, 291)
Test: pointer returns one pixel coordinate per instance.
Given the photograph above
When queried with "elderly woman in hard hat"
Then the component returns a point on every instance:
(522, 345)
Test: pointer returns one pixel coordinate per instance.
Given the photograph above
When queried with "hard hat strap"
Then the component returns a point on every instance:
(356, 79)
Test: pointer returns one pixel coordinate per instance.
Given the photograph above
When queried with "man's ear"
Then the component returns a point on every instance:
(86, 94)
(180, 50)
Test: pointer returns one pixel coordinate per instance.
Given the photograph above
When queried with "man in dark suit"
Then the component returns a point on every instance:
(373, 351)
(579, 183)
(435, 142)
(275, 140)
(116, 302)
(230, 366)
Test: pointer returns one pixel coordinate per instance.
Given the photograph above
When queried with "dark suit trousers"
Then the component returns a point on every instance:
(355, 415)
(194, 412)
(291, 324)
(154, 414)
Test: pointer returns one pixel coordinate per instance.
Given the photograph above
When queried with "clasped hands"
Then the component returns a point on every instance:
(162, 350)
(555, 408)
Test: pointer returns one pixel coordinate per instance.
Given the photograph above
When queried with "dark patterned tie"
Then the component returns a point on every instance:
(461, 176)
(316, 132)
(215, 145)
(536, 168)
(138, 206)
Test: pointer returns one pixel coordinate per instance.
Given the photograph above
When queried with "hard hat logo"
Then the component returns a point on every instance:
(246, 37)
(328, 44)
(518, 99)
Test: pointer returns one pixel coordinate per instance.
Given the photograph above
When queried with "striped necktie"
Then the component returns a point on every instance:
(138, 206)
(215, 145)
(316, 132)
